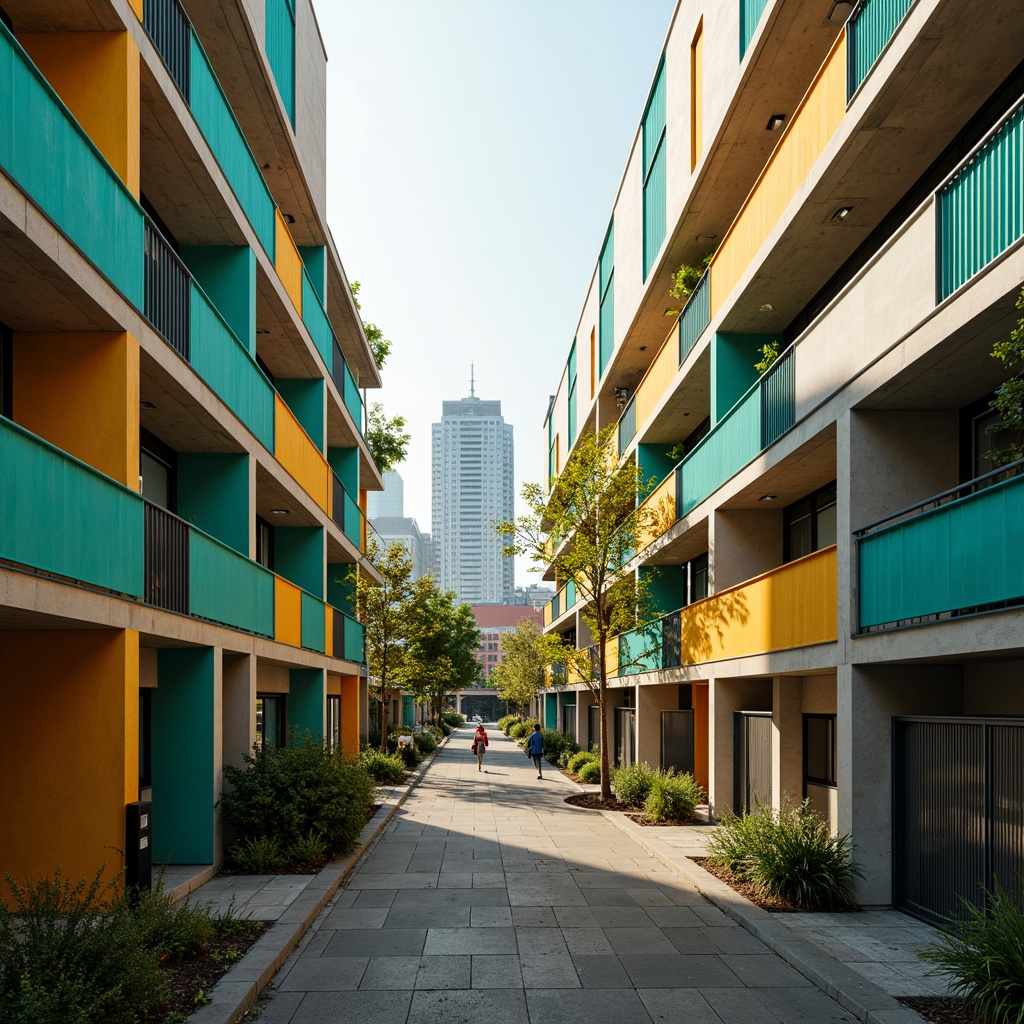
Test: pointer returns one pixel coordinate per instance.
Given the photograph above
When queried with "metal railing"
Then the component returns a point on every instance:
(166, 560)
(167, 24)
(167, 292)
(778, 398)
(696, 315)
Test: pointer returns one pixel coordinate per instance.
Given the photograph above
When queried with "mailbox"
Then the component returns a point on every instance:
(138, 845)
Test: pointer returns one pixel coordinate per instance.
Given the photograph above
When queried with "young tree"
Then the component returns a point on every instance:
(526, 654)
(387, 611)
(588, 528)
(442, 652)
(379, 345)
(387, 438)
(1009, 400)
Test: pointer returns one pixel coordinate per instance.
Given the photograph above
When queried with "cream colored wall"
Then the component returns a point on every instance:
(311, 103)
(819, 695)
(743, 544)
(239, 703)
(148, 672)
(272, 679)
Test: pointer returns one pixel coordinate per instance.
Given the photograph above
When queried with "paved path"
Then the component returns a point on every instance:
(488, 900)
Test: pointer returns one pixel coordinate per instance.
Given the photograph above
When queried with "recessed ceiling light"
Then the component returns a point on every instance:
(842, 213)
(775, 121)
(288, 217)
(146, 405)
(279, 511)
(766, 308)
(768, 497)
(841, 10)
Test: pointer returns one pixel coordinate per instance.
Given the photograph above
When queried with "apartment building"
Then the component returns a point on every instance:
(183, 470)
(840, 591)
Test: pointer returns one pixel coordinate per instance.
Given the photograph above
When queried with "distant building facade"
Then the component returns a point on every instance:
(494, 621)
(386, 512)
(389, 503)
(535, 597)
(472, 471)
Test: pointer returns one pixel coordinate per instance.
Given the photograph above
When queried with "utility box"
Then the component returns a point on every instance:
(138, 844)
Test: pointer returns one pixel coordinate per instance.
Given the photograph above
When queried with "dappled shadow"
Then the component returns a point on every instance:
(704, 626)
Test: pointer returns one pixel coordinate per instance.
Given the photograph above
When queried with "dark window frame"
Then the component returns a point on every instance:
(145, 738)
(163, 453)
(280, 703)
(333, 721)
(816, 780)
(812, 504)
(266, 559)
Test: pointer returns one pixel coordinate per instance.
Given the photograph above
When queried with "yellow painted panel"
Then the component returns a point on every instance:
(96, 74)
(658, 378)
(362, 521)
(812, 125)
(288, 262)
(350, 717)
(81, 393)
(660, 506)
(287, 612)
(328, 631)
(792, 606)
(548, 617)
(299, 456)
(69, 761)
(136, 6)
(611, 658)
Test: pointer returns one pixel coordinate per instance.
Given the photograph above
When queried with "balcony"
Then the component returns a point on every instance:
(299, 456)
(955, 554)
(563, 600)
(346, 513)
(348, 637)
(869, 29)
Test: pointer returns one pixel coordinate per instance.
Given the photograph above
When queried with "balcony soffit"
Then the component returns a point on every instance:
(63, 16)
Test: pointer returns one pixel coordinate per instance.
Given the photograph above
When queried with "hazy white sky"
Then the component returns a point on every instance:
(474, 151)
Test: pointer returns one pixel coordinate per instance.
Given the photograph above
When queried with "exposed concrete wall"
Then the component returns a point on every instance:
(819, 695)
(727, 696)
(651, 701)
(311, 103)
(994, 688)
(743, 544)
(787, 741)
(239, 732)
(272, 678)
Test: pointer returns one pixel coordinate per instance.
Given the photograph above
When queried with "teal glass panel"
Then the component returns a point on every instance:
(59, 515)
(354, 639)
(981, 209)
(217, 122)
(65, 175)
(550, 710)
(225, 587)
(627, 425)
(654, 209)
(353, 400)
(280, 28)
(959, 556)
(315, 319)
(640, 650)
(313, 624)
(695, 317)
(735, 440)
(871, 26)
(223, 362)
(750, 18)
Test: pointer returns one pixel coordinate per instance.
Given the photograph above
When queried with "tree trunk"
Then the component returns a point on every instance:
(606, 772)
(383, 720)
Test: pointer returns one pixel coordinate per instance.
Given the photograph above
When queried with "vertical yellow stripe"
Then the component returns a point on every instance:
(288, 261)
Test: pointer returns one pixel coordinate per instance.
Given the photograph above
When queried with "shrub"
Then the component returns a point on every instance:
(261, 855)
(519, 731)
(170, 928)
(633, 782)
(387, 769)
(590, 773)
(426, 742)
(577, 761)
(556, 742)
(310, 849)
(446, 729)
(983, 955)
(672, 797)
(286, 793)
(453, 718)
(505, 721)
(788, 855)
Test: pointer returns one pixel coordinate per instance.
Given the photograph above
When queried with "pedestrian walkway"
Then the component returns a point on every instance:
(487, 898)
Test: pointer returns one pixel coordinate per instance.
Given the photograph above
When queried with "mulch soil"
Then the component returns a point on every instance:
(941, 1010)
(593, 802)
(642, 819)
(192, 975)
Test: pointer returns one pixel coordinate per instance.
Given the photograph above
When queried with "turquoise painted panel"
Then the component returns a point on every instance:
(606, 264)
(655, 216)
(227, 588)
(315, 319)
(313, 623)
(340, 592)
(280, 28)
(408, 710)
(183, 756)
(550, 710)
(556, 606)
(217, 122)
(354, 639)
(223, 362)
(870, 27)
(570, 594)
(227, 273)
(572, 415)
(640, 650)
(213, 495)
(695, 317)
(606, 328)
(353, 520)
(345, 463)
(299, 556)
(981, 209)
(962, 555)
(750, 18)
(627, 425)
(306, 703)
(305, 397)
(571, 365)
(58, 515)
(735, 440)
(43, 148)
(654, 119)
(353, 400)
(733, 358)
(314, 259)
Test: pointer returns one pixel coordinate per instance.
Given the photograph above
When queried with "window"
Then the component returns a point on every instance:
(820, 750)
(981, 432)
(593, 342)
(271, 726)
(695, 579)
(606, 286)
(697, 95)
(572, 394)
(333, 721)
(158, 465)
(654, 170)
(264, 543)
(810, 524)
(6, 372)
(145, 739)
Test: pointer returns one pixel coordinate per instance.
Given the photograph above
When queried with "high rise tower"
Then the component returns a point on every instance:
(472, 491)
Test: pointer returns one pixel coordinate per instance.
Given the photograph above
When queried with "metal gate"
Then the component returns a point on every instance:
(593, 726)
(625, 736)
(677, 740)
(958, 811)
(569, 719)
(752, 760)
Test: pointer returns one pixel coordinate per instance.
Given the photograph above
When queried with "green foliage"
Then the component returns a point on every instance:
(590, 772)
(519, 730)
(672, 797)
(1009, 400)
(789, 855)
(426, 742)
(577, 761)
(310, 849)
(633, 782)
(446, 729)
(386, 769)
(387, 438)
(983, 956)
(259, 856)
(379, 345)
(289, 792)
(556, 743)
(453, 718)
(172, 929)
(526, 653)
(769, 353)
(686, 278)
(506, 722)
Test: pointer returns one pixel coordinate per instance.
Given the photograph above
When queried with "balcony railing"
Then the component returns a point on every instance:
(750, 17)
(229, 588)
(778, 398)
(167, 560)
(627, 425)
(319, 327)
(280, 47)
(869, 28)
(980, 209)
(954, 554)
(167, 292)
(167, 24)
(314, 623)
(696, 315)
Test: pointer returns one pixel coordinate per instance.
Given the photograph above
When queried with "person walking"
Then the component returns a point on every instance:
(480, 743)
(535, 748)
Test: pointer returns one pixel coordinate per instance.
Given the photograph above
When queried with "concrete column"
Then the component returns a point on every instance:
(726, 696)
(743, 543)
(787, 741)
